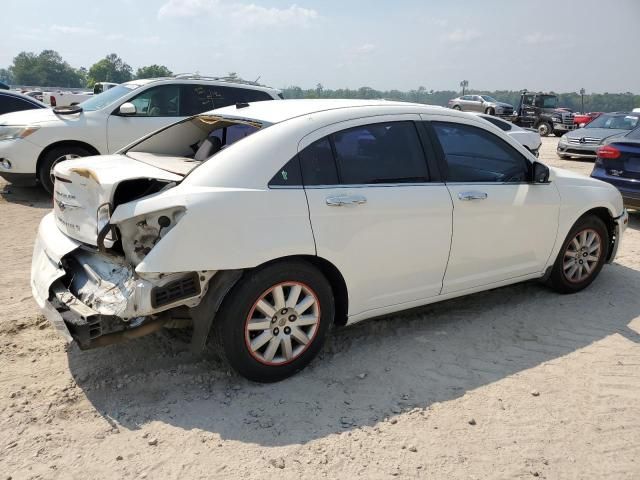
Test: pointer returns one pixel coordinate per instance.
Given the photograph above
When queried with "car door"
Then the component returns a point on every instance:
(504, 227)
(476, 103)
(156, 107)
(378, 211)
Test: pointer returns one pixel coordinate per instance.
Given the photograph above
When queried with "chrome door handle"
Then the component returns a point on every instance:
(472, 196)
(346, 200)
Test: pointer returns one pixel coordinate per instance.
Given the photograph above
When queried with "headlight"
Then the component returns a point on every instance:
(11, 133)
(104, 216)
(564, 139)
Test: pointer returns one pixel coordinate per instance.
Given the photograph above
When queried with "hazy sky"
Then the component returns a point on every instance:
(495, 44)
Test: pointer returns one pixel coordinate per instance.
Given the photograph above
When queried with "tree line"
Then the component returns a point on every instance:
(48, 69)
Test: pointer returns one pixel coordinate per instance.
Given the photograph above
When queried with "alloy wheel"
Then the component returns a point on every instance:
(582, 255)
(282, 323)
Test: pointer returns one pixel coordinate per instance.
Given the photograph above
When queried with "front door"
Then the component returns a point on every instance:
(156, 107)
(375, 212)
(504, 227)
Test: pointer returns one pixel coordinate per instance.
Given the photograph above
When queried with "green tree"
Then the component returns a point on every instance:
(46, 69)
(153, 71)
(6, 75)
(110, 69)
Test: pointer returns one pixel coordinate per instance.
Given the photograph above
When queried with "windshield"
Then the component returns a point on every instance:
(487, 98)
(617, 122)
(547, 102)
(107, 98)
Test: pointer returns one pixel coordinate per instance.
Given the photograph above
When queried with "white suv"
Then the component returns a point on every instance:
(33, 141)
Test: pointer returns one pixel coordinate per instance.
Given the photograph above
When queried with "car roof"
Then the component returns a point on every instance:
(282, 110)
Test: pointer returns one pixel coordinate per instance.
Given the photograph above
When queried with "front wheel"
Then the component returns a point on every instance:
(581, 257)
(274, 322)
(490, 111)
(52, 158)
(457, 107)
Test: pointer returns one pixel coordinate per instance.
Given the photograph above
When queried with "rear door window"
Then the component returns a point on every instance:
(202, 98)
(380, 153)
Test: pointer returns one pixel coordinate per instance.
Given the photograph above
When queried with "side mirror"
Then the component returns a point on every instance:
(127, 108)
(540, 173)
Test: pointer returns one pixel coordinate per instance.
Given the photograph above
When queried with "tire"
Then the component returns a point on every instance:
(52, 158)
(562, 279)
(558, 133)
(457, 107)
(267, 360)
(544, 129)
(490, 111)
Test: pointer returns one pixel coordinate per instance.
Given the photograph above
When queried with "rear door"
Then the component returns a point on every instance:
(503, 226)
(378, 210)
(156, 107)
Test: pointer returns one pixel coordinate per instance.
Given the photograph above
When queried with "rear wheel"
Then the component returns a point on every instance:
(457, 107)
(582, 256)
(558, 133)
(52, 158)
(544, 129)
(274, 322)
(490, 111)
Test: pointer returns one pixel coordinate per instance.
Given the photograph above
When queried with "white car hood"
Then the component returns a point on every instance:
(84, 184)
(30, 117)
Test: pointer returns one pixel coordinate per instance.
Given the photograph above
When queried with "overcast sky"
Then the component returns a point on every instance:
(495, 44)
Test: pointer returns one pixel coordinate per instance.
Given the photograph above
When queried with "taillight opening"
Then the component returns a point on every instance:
(608, 153)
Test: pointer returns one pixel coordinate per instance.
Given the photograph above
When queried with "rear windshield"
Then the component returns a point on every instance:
(617, 122)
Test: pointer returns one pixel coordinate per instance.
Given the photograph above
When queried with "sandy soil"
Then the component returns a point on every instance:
(518, 382)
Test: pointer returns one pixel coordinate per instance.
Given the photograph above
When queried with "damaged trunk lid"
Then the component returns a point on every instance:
(87, 190)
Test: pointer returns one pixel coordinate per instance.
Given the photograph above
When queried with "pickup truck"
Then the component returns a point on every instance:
(66, 99)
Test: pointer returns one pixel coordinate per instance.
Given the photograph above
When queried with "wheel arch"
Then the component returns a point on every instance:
(604, 214)
(74, 143)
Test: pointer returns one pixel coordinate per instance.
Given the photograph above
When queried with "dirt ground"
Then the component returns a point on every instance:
(518, 382)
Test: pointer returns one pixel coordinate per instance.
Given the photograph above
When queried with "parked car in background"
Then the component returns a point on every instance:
(35, 141)
(481, 103)
(319, 212)
(528, 137)
(65, 98)
(618, 163)
(11, 101)
(584, 142)
(541, 111)
(582, 119)
(37, 94)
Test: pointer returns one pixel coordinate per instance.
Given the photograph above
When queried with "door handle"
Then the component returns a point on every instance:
(472, 195)
(345, 200)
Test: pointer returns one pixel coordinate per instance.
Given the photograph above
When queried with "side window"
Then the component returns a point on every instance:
(161, 101)
(475, 155)
(12, 104)
(380, 153)
(289, 175)
(318, 165)
(501, 124)
(196, 99)
(248, 95)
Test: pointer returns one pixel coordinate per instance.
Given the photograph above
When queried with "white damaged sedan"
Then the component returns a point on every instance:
(264, 224)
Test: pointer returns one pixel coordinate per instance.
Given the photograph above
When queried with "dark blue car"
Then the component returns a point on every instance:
(618, 163)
